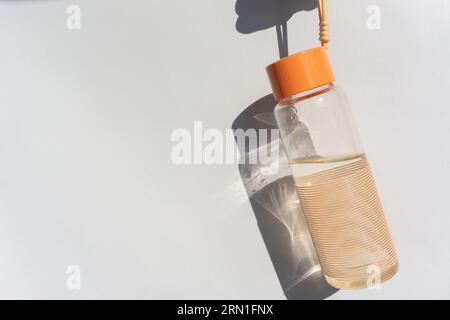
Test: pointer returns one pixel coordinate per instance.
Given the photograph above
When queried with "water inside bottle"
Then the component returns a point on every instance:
(346, 220)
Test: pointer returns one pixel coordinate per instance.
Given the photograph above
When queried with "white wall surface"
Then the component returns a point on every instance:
(86, 118)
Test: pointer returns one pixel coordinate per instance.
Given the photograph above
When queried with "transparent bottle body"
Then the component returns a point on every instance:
(336, 188)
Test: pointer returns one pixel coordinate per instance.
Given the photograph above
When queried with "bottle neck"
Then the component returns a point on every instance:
(307, 94)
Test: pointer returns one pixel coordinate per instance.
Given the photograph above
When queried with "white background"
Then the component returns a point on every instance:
(86, 117)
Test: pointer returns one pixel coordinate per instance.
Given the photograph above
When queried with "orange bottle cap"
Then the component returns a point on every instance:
(300, 72)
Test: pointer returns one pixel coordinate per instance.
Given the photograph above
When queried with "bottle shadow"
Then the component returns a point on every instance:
(256, 15)
(274, 201)
(272, 196)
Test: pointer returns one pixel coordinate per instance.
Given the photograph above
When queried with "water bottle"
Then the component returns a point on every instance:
(333, 179)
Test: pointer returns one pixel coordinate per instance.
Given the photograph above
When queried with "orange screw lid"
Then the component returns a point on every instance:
(300, 72)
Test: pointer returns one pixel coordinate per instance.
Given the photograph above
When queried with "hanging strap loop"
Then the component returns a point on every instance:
(324, 25)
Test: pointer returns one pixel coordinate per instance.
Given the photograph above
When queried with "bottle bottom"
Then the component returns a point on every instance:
(361, 283)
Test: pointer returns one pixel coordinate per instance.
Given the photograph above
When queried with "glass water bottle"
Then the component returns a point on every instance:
(333, 179)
